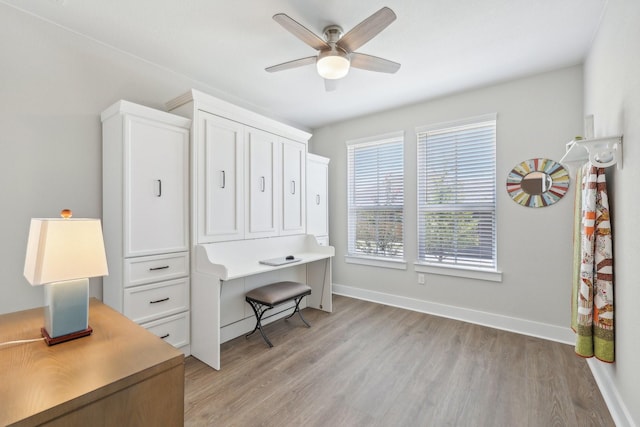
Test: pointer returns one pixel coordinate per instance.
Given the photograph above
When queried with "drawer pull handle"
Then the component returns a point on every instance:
(159, 300)
(165, 336)
(164, 267)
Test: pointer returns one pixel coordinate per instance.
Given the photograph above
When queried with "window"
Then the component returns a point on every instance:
(457, 193)
(376, 197)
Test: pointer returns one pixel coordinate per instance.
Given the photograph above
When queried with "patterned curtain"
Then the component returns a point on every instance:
(592, 307)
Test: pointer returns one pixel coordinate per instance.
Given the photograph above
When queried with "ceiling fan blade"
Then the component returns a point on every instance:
(373, 63)
(330, 84)
(300, 31)
(367, 29)
(292, 64)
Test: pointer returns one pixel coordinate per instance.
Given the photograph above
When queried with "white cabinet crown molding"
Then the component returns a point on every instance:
(126, 107)
(318, 158)
(213, 105)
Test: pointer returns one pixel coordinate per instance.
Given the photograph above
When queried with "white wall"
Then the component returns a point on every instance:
(612, 95)
(536, 117)
(53, 86)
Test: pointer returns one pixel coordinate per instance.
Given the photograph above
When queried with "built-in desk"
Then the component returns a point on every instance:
(120, 375)
(236, 266)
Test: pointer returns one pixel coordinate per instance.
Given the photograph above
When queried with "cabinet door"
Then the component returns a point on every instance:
(262, 155)
(317, 196)
(293, 187)
(156, 187)
(220, 180)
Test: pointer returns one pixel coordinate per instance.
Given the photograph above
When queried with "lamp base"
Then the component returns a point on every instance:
(67, 337)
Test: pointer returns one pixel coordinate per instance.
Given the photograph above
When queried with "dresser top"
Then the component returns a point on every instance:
(38, 383)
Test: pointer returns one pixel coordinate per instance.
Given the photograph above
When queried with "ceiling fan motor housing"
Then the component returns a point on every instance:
(332, 33)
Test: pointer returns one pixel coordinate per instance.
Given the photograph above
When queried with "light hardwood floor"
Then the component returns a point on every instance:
(368, 364)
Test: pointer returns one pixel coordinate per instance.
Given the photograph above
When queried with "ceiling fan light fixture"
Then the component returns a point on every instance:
(337, 52)
(333, 64)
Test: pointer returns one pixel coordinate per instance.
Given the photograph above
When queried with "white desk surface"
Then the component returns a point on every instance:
(233, 260)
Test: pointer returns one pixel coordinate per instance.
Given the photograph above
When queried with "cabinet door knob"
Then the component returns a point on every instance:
(158, 188)
(262, 184)
(223, 179)
(293, 186)
(317, 199)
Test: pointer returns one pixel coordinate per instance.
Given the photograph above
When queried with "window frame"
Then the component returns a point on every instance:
(353, 256)
(460, 269)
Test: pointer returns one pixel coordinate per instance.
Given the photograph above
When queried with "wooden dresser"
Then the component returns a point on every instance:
(121, 375)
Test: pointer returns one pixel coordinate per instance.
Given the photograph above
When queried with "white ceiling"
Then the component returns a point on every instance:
(444, 46)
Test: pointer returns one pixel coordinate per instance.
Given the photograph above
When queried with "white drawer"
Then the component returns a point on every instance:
(173, 329)
(150, 302)
(148, 269)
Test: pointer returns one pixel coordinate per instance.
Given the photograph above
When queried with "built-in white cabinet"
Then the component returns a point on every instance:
(219, 178)
(145, 218)
(248, 171)
(318, 198)
(155, 190)
(248, 203)
(294, 156)
(262, 162)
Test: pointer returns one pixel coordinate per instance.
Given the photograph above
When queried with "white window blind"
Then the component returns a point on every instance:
(457, 193)
(376, 197)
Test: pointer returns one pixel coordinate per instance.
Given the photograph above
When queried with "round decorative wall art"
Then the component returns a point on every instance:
(537, 183)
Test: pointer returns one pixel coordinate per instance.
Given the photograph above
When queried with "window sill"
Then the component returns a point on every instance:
(376, 262)
(470, 273)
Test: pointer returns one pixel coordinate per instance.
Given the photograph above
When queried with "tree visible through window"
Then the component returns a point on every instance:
(376, 197)
(456, 193)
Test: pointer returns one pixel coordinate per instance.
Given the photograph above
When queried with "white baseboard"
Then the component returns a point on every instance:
(506, 323)
(617, 408)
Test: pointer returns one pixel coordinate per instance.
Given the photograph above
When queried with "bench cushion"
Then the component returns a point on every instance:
(277, 293)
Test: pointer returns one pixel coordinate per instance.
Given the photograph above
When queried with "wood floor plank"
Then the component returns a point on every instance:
(368, 364)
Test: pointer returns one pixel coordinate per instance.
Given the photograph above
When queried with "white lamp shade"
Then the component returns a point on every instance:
(333, 65)
(64, 249)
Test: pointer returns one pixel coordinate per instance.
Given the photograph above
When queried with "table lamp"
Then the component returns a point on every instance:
(62, 253)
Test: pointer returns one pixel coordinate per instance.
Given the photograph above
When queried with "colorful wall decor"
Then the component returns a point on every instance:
(536, 183)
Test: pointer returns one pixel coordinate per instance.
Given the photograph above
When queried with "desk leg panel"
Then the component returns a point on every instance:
(205, 318)
(319, 279)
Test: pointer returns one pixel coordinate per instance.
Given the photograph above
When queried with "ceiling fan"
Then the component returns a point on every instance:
(336, 54)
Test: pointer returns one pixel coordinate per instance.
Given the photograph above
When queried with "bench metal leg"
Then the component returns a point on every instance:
(297, 310)
(259, 311)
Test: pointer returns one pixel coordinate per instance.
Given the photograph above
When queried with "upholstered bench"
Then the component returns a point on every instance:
(267, 297)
